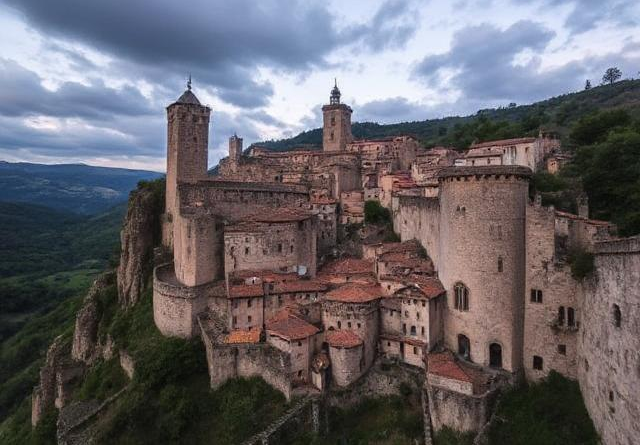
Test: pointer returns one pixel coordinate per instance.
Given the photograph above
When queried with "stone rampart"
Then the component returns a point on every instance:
(226, 361)
(175, 306)
(609, 345)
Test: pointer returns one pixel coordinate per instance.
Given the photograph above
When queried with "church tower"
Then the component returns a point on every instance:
(187, 144)
(336, 130)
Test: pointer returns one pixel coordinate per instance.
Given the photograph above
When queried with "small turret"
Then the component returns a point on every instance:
(334, 99)
(235, 147)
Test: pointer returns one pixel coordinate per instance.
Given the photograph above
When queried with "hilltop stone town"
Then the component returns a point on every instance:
(468, 285)
(273, 268)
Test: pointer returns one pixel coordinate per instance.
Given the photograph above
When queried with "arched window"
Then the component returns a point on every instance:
(413, 330)
(464, 346)
(461, 297)
(561, 316)
(495, 355)
(617, 316)
(571, 317)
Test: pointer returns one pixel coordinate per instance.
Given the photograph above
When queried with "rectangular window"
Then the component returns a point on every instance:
(537, 362)
(562, 349)
(249, 319)
(249, 302)
(536, 296)
(235, 321)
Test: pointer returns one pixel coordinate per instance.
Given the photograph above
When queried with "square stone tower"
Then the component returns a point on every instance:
(187, 145)
(235, 148)
(336, 130)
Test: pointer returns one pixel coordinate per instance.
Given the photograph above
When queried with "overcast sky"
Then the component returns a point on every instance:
(88, 81)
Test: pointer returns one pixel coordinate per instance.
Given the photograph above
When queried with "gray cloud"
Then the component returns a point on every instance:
(394, 109)
(586, 14)
(221, 43)
(22, 94)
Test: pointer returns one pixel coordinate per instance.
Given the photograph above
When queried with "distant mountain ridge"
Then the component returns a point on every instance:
(554, 114)
(77, 188)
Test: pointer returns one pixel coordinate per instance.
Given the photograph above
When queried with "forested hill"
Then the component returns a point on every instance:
(555, 114)
(77, 188)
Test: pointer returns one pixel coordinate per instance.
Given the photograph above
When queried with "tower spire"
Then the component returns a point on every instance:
(189, 83)
(335, 93)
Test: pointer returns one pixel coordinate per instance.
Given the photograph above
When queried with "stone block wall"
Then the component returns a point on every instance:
(346, 364)
(175, 306)
(416, 217)
(549, 278)
(609, 344)
(456, 410)
(482, 247)
(361, 318)
(273, 246)
(198, 247)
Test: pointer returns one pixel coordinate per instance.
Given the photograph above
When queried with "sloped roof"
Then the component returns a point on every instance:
(348, 266)
(243, 336)
(354, 293)
(285, 324)
(502, 142)
(188, 98)
(342, 338)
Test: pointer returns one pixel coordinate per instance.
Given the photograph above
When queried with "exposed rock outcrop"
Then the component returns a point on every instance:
(85, 335)
(140, 229)
(44, 394)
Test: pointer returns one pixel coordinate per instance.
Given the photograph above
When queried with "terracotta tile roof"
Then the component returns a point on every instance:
(342, 338)
(285, 324)
(354, 293)
(299, 286)
(246, 291)
(444, 364)
(348, 266)
(501, 142)
(431, 286)
(243, 336)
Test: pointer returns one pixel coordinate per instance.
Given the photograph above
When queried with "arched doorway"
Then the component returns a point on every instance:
(464, 346)
(495, 355)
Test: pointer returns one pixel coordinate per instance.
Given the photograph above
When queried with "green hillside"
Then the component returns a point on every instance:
(77, 188)
(555, 114)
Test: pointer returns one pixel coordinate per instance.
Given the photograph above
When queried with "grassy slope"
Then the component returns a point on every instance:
(556, 114)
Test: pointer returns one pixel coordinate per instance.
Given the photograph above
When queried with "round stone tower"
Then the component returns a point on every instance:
(482, 264)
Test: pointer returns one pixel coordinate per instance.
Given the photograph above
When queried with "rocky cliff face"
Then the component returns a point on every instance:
(138, 236)
(85, 335)
(45, 393)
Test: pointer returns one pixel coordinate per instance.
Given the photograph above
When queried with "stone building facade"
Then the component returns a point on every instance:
(478, 293)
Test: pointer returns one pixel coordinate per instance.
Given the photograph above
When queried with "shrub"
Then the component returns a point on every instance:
(375, 213)
(582, 263)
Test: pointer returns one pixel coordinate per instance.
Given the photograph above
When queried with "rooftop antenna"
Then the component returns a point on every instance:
(189, 83)
(335, 82)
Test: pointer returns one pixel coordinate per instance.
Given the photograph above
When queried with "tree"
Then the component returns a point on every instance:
(587, 85)
(611, 75)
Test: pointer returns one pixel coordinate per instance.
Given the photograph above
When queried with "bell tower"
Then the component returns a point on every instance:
(187, 144)
(336, 130)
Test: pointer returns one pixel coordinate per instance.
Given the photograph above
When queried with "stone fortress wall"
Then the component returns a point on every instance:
(608, 342)
(510, 300)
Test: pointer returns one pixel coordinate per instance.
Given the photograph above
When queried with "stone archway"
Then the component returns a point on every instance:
(464, 347)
